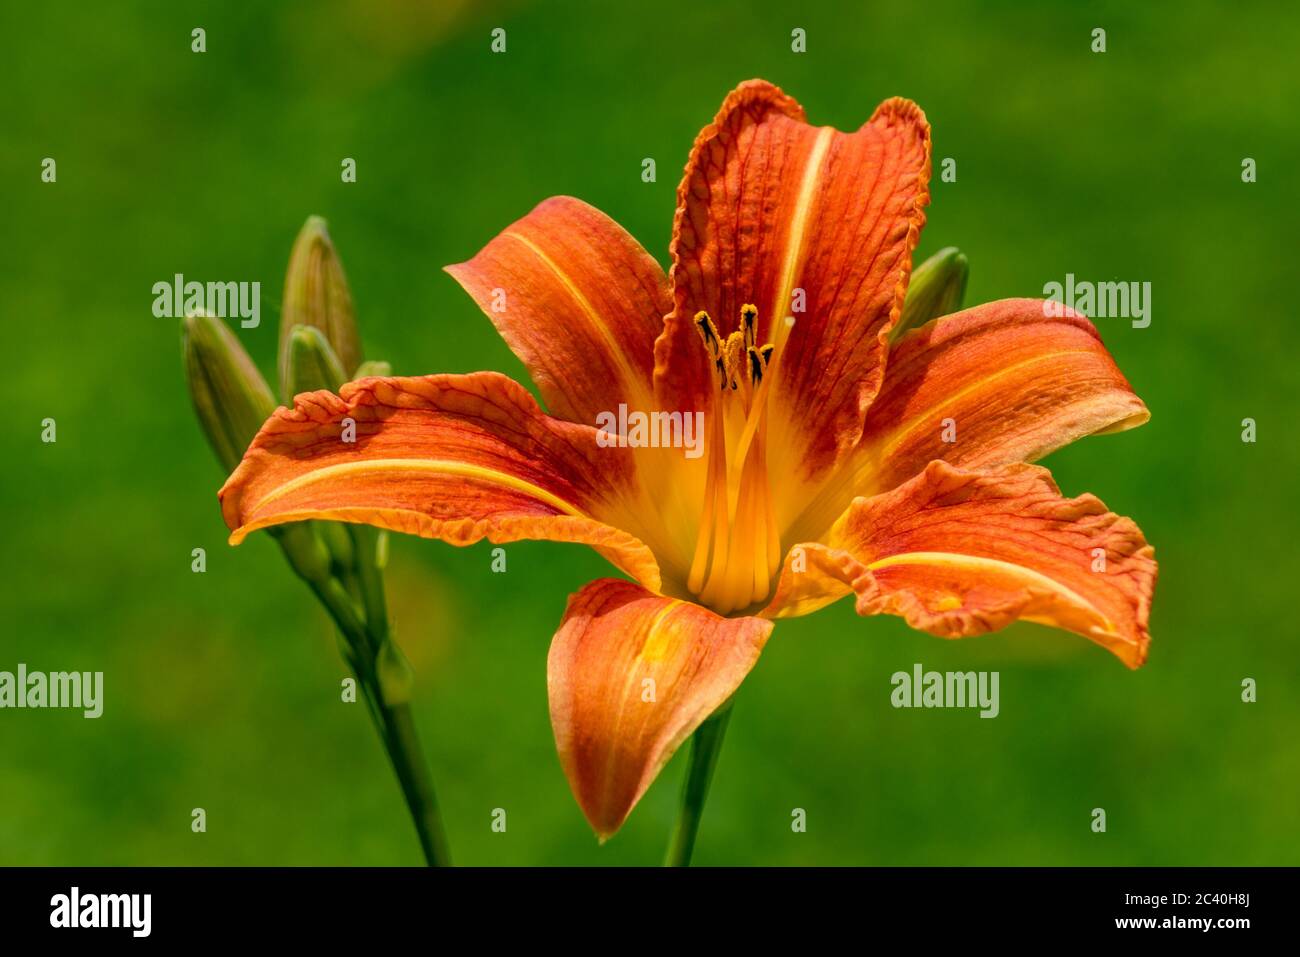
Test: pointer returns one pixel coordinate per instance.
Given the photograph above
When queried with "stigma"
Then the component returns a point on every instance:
(737, 548)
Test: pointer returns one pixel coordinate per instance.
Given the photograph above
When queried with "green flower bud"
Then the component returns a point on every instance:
(231, 399)
(395, 674)
(339, 542)
(312, 363)
(316, 294)
(306, 552)
(313, 366)
(937, 288)
(373, 367)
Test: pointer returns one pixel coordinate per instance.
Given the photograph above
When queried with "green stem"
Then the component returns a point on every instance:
(342, 609)
(367, 686)
(396, 729)
(706, 744)
(392, 719)
(417, 784)
(370, 581)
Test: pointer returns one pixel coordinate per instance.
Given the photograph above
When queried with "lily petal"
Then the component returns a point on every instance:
(960, 553)
(813, 576)
(454, 457)
(1016, 384)
(578, 301)
(631, 675)
(770, 205)
(988, 386)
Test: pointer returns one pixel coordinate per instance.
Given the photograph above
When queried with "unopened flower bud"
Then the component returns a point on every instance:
(306, 551)
(316, 294)
(312, 363)
(936, 289)
(231, 399)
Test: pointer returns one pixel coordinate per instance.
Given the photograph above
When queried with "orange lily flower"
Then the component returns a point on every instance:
(825, 471)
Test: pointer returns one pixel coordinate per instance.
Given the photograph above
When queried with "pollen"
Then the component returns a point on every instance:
(737, 549)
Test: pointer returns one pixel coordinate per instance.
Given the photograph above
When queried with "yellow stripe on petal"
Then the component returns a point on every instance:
(633, 380)
(388, 467)
(455, 457)
(960, 553)
(631, 675)
(578, 300)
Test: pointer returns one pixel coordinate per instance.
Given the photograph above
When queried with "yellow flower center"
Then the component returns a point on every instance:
(738, 549)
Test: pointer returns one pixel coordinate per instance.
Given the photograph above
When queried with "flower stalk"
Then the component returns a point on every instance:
(706, 745)
(385, 679)
(341, 564)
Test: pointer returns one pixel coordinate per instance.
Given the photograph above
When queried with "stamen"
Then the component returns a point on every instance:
(737, 546)
(715, 480)
(735, 347)
(760, 397)
(708, 332)
(749, 322)
(711, 542)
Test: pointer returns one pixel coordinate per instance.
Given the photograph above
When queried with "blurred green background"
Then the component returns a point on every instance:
(222, 689)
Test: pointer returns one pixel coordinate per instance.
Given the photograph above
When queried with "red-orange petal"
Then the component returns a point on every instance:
(1016, 384)
(769, 205)
(631, 676)
(454, 457)
(992, 385)
(578, 301)
(960, 553)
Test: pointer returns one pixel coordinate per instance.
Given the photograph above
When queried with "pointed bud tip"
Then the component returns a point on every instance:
(195, 324)
(316, 227)
(306, 337)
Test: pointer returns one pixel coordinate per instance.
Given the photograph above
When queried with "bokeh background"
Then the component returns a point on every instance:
(222, 689)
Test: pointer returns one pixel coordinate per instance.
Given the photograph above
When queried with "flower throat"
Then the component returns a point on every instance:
(738, 548)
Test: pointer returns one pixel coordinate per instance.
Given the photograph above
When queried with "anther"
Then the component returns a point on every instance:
(749, 322)
(708, 332)
(733, 352)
